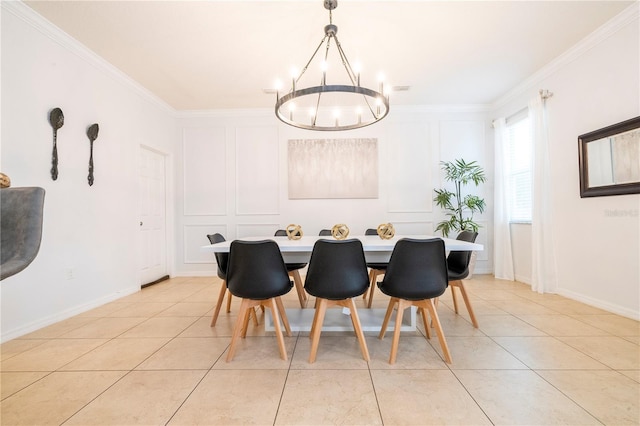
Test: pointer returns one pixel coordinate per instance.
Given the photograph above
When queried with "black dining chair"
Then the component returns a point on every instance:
(375, 270)
(256, 273)
(415, 276)
(458, 269)
(324, 233)
(294, 272)
(337, 273)
(221, 260)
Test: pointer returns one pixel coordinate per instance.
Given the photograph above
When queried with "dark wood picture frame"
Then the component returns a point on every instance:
(584, 141)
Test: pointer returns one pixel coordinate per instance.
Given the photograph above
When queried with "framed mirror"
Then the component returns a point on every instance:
(609, 160)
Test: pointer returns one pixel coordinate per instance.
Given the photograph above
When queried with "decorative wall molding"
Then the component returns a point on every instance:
(614, 25)
(38, 22)
(194, 237)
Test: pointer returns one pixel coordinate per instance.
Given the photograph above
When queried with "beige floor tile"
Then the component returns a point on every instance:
(632, 374)
(141, 397)
(55, 398)
(17, 346)
(328, 397)
(257, 352)
(548, 353)
(58, 329)
(522, 306)
(478, 353)
(12, 382)
(208, 294)
(117, 354)
(190, 353)
(184, 309)
(334, 352)
(562, 325)
(419, 397)
(632, 339)
(144, 309)
(453, 324)
(511, 397)
(571, 307)
(103, 328)
(414, 353)
(160, 327)
(105, 310)
(202, 327)
(51, 355)
(609, 396)
(234, 397)
(613, 352)
(614, 324)
(480, 307)
(506, 325)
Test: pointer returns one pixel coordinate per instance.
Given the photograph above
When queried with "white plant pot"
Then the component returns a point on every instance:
(472, 264)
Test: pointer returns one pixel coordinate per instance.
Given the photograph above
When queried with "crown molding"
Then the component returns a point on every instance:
(38, 22)
(615, 24)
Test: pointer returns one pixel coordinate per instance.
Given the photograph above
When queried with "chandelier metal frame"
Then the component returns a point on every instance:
(375, 102)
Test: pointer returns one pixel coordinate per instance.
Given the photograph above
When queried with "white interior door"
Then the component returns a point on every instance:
(153, 226)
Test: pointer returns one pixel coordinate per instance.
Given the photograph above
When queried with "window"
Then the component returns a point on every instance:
(520, 158)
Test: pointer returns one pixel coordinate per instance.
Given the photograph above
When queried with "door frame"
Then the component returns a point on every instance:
(168, 211)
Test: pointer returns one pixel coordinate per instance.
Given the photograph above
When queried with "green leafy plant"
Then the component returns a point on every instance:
(460, 209)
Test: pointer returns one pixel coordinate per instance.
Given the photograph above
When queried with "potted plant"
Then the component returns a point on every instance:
(460, 208)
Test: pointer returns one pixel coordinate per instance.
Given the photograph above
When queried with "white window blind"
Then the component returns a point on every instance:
(520, 154)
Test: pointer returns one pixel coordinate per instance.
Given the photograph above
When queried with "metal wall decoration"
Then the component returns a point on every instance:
(56, 119)
(92, 133)
(294, 232)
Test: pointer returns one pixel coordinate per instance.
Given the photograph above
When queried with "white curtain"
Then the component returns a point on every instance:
(543, 265)
(502, 254)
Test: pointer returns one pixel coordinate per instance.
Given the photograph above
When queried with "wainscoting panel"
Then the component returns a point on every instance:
(408, 163)
(256, 230)
(463, 139)
(257, 170)
(205, 171)
(413, 228)
(195, 236)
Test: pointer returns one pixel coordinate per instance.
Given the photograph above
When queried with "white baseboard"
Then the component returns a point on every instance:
(68, 313)
(609, 307)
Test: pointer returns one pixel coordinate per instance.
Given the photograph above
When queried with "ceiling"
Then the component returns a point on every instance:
(202, 55)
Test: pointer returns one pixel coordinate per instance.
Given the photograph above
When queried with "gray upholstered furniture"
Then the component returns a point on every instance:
(21, 231)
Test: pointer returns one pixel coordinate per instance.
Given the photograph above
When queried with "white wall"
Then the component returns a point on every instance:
(222, 156)
(597, 239)
(89, 250)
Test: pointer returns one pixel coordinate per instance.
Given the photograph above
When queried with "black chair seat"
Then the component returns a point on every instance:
(378, 266)
(295, 266)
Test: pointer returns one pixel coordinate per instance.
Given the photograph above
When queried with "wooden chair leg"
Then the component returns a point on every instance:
(372, 286)
(216, 312)
(252, 314)
(237, 330)
(229, 296)
(436, 321)
(297, 281)
(453, 295)
(317, 329)
(467, 302)
(425, 322)
(245, 324)
(283, 315)
(276, 325)
(402, 305)
(358, 329)
(387, 316)
(371, 277)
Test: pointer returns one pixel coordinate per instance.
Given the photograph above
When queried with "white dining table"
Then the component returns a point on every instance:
(375, 249)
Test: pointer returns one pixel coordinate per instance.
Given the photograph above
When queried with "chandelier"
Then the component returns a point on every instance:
(332, 107)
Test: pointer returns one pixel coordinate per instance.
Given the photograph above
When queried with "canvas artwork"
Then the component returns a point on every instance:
(333, 168)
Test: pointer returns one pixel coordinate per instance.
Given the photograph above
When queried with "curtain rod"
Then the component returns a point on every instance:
(544, 95)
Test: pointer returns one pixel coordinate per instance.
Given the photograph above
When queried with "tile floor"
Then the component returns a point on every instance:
(152, 359)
